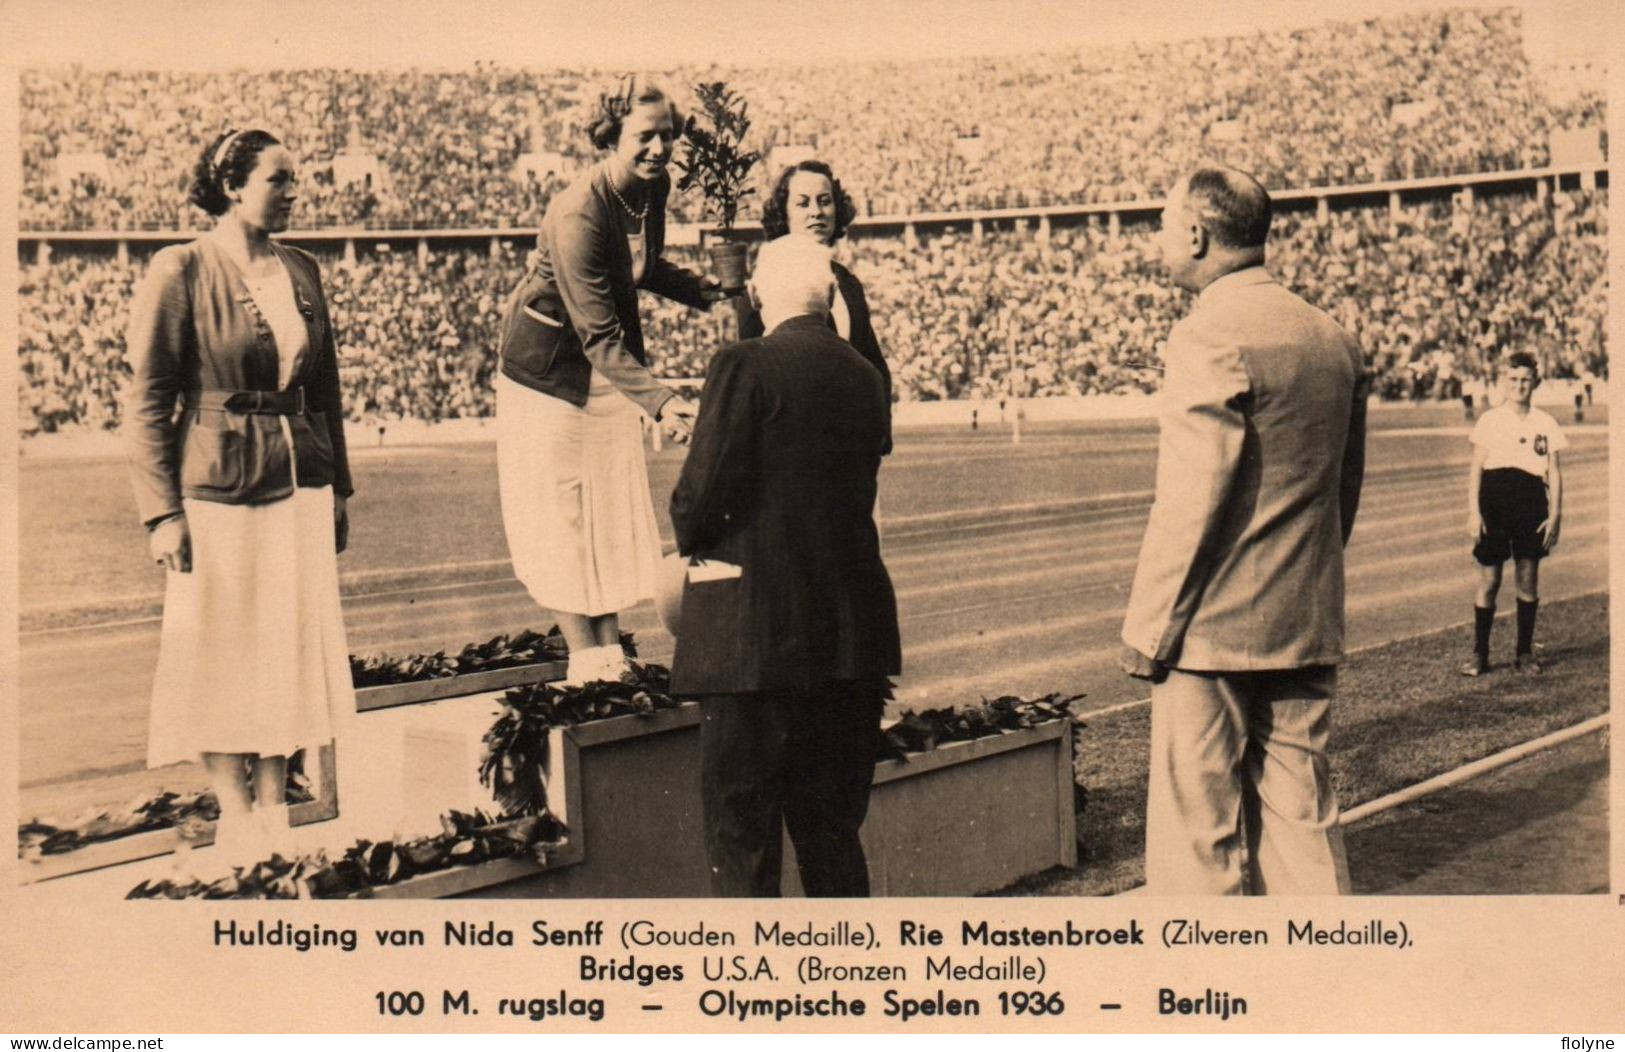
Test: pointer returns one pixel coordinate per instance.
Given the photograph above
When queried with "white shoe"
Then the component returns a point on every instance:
(579, 669)
(611, 663)
(236, 838)
(187, 864)
(272, 828)
(594, 664)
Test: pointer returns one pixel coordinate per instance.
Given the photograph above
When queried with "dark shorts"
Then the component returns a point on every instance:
(1513, 504)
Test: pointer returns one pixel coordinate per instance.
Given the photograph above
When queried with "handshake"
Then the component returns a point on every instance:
(676, 419)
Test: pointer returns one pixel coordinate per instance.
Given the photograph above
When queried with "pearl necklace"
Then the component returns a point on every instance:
(634, 213)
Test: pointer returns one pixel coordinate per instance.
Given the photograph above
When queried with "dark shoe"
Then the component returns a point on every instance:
(1526, 664)
(1475, 668)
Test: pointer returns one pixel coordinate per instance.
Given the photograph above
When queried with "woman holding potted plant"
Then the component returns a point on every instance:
(808, 201)
(574, 485)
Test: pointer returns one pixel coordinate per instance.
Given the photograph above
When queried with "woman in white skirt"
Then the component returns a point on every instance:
(236, 438)
(575, 381)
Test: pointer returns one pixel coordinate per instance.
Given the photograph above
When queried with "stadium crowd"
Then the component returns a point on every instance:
(70, 340)
(1346, 102)
(445, 144)
(1435, 297)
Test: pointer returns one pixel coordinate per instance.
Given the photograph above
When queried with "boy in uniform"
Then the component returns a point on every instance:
(1514, 507)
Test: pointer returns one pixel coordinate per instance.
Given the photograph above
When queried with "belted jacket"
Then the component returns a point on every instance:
(201, 413)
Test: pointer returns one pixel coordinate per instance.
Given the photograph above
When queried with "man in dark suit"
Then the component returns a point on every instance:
(1236, 615)
(789, 655)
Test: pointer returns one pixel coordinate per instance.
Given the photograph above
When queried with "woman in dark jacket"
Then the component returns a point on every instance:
(808, 200)
(575, 489)
(243, 491)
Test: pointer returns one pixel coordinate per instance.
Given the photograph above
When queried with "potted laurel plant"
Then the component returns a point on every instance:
(713, 158)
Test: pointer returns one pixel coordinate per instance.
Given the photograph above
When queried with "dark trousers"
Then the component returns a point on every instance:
(797, 761)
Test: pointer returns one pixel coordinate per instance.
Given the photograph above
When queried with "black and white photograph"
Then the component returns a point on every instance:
(929, 449)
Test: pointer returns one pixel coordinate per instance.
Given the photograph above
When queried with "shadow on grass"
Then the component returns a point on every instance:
(1420, 848)
(1404, 712)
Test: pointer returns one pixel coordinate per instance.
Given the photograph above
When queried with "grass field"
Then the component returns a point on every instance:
(1403, 714)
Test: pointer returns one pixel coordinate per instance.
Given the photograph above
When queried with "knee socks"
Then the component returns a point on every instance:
(1526, 625)
(1483, 621)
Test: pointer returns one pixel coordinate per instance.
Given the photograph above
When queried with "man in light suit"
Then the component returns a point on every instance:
(1236, 616)
(790, 656)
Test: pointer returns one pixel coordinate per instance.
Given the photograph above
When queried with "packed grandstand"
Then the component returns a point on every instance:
(1436, 289)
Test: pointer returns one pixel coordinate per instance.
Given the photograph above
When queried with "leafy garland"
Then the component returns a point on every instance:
(514, 767)
(923, 731)
(516, 746)
(465, 840)
(523, 648)
(167, 810)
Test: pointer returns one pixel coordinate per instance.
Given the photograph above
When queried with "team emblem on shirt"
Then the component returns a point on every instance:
(1540, 445)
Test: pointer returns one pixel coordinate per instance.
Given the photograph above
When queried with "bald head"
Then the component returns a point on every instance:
(1233, 207)
(1216, 220)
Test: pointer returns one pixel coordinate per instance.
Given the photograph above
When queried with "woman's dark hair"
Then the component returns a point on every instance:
(226, 162)
(775, 210)
(604, 131)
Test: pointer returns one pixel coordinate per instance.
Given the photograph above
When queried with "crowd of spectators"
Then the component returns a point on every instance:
(1345, 102)
(1436, 295)
(70, 340)
(417, 341)
(445, 144)
(1438, 298)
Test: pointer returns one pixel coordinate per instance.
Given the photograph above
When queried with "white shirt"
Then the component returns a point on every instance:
(274, 297)
(1513, 441)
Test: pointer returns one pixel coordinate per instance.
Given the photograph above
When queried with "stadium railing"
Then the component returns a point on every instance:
(1584, 176)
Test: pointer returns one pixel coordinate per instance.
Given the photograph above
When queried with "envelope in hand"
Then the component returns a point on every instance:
(703, 570)
(674, 572)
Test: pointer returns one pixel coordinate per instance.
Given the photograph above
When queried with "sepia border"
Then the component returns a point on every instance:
(1520, 963)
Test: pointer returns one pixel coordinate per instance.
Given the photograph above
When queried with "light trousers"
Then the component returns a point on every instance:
(1240, 799)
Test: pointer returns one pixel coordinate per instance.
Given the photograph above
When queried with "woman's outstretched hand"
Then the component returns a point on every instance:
(677, 418)
(712, 291)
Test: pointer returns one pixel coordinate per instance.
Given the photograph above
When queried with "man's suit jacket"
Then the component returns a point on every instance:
(1259, 468)
(780, 481)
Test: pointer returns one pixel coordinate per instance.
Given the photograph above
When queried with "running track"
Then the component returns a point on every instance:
(1009, 601)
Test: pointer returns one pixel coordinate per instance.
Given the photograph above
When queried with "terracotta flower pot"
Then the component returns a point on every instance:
(729, 264)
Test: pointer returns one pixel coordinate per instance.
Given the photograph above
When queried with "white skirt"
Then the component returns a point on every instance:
(252, 657)
(575, 498)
